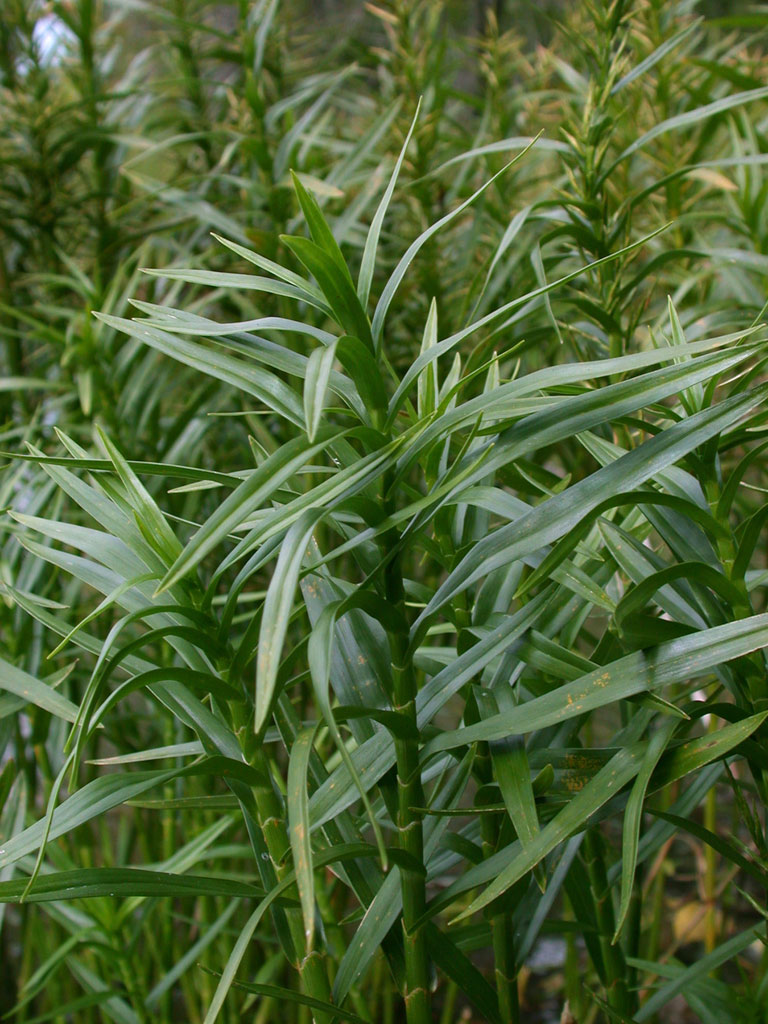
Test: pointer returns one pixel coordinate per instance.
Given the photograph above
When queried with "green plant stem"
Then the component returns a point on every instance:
(310, 964)
(271, 816)
(13, 345)
(91, 93)
(449, 1003)
(130, 980)
(502, 931)
(613, 958)
(710, 860)
(409, 823)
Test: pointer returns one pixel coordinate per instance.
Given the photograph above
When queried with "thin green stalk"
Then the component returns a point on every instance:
(92, 94)
(449, 1003)
(613, 958)
(311, 966)
(710, 860)
(574, 988)
(130, 979)
(502, 930)
(271, 818)
(409, 822)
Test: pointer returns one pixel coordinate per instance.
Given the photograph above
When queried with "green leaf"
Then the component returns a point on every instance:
(655, 56)
(382, 307)
(244, 501)
(368, 261)
(641, 672)
(723, 846)
(639, 498)
(299, 829)
(690, 118)
(278, 606)
(87, 803)
(694, 754)
(321, 234)
(427, 385)
(30, 690)
(460, 969)
(151, 520)
(633, 817)
(190, 957)
(122, 882)
(377, 755)
(359, 363)
(609, 780)
(699, 969)
(319, 653)
(335, 285)
(562, 512)
(316, 385)
(265, 386)
(451, 342)
(693, 572)
(336, 855)
(285, 994)
(244, 282)
(282, 273)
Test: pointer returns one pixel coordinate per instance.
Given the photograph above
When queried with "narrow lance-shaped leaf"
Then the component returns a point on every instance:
(692, 572)
(335, 855)
(608, 781)
(643, 671)
(335, 285)
(427, 387)
(690, 118)
(88, 883)
(512, 771)
(653, 58)
(316, 385)
(319, 653)
(451, 342)
(29, 689)
(278, 606)
(246, 499)
(298, 825)
(152, 522)
(321, 233)
(87, 803)
(277, 993)
(633, 816)
(377, 755)
(552, 519)
(699, 969)
(256, 381)
(368, 262)
(402, 267)
(282, 273)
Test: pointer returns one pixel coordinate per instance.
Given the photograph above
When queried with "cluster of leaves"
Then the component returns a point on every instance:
(388, 593)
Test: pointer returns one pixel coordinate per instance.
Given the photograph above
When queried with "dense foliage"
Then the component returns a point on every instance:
(383, 575)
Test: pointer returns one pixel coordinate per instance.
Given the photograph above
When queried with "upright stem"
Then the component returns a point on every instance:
(271, 815)
(502, 931)
(409, 823)
(613, 957)
(502, 938)
(14, 351)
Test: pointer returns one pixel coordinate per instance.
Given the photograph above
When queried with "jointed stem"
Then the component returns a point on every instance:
(613, 958)
(411, 837)
(271, 817)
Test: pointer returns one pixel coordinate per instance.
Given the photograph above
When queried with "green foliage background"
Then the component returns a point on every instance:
(383, 574)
